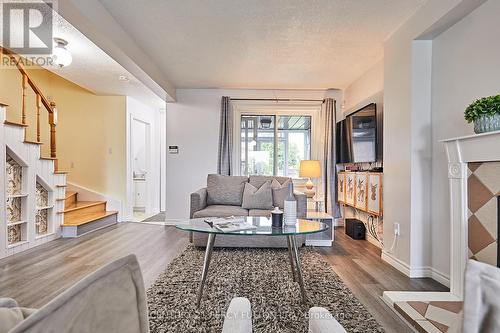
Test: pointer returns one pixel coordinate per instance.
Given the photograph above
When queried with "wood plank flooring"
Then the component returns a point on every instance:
(360, 267)
(38, 275)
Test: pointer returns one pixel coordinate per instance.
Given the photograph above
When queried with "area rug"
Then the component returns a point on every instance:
(261, 275)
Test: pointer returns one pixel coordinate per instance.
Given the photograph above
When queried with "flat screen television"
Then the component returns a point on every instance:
(357, 136)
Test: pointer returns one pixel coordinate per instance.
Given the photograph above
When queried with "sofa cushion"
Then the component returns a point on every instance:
(258, 181)
(259, 212)
(225, 190)
(257, 197)
(220, 211)
(280, 192)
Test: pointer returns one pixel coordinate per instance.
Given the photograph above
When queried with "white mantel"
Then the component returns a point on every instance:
(462, 150)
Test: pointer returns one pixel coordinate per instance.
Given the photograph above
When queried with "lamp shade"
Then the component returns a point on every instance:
(310, 169)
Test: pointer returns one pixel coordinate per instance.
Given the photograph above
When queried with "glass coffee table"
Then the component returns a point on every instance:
(264, 228)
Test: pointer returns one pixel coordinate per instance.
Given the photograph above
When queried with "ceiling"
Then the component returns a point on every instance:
(279, 44)
(94, 70)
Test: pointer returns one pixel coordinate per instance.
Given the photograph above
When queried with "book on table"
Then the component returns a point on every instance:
(230, 224)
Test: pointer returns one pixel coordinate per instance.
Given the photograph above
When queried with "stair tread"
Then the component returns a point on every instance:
(33, 142)
(59, 172)
(3, 104)
(87, 218)
(14, 123)
(81, 204)
(48, 158)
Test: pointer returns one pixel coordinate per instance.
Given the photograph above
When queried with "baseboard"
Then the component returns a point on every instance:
(440, 277)
(396, 263)
(416, 272)
(373, 241)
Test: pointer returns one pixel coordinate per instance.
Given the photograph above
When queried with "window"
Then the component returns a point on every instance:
(265, 136)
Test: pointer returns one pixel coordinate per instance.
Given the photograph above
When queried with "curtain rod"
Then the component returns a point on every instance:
(278, 99)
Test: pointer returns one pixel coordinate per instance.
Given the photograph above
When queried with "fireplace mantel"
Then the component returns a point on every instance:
(461, 151)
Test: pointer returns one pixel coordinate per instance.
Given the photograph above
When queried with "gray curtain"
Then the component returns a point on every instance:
(330, 158)
(225, 155)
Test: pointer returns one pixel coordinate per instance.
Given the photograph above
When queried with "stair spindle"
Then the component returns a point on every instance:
(38, 106)
(23, 110)
(53, 122)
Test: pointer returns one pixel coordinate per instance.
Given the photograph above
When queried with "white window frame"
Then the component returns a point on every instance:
(256, 108)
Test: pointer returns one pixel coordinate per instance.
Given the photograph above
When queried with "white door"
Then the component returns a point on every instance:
(140, 138)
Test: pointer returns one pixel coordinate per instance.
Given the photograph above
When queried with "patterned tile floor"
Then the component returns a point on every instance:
(432, 317)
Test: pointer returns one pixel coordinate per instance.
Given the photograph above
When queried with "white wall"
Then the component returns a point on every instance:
(369, 84)
(407, 137)
(146, 114)
(368, 88)
(466, 66)
(193, 125)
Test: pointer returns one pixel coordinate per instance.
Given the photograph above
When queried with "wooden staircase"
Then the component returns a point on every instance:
(82, 217)
(78, 217)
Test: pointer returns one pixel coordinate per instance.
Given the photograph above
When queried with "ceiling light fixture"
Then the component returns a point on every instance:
(265, 122)
(61, 56)
(123, 78)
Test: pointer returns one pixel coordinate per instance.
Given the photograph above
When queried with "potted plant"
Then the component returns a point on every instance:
(485, 113)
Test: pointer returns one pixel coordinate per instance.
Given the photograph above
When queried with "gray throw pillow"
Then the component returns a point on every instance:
(257, 198)
(225, 190)
(280, 192)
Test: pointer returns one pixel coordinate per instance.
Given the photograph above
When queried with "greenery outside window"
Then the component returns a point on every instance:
(265, 136)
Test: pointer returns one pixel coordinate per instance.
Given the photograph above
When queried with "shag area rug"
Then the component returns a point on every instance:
(261, 275)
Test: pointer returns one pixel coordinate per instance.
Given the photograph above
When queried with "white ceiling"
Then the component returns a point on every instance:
(261, 43)
(94, 70)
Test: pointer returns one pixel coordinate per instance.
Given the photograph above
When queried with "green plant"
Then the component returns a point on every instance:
(484, 106)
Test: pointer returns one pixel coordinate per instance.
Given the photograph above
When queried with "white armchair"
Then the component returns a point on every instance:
(322, 321)
(238, 317)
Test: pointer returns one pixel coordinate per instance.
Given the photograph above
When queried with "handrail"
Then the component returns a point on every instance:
(40, 99)
(32, 84)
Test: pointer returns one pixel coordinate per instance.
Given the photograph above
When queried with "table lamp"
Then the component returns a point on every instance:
(310, 169)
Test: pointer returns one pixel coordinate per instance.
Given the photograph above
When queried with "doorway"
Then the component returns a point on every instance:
(140, 142)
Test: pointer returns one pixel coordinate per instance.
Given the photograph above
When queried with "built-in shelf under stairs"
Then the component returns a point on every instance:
(81, 217)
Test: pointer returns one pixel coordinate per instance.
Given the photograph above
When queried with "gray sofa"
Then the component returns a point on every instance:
(223, 197)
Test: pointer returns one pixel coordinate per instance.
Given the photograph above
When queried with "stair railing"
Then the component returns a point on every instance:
(41, 100)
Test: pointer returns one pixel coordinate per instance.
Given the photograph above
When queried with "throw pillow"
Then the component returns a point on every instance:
(280, 192)
(257, 198)
(225, 190)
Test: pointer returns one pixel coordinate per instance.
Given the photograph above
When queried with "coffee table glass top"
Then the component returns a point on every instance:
(263, 224)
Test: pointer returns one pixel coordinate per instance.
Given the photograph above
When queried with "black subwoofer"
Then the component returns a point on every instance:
(355, 229)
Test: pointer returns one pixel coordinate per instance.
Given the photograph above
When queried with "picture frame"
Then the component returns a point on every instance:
(350, 188)
(375, 191)
(361, 193)
(341, 187)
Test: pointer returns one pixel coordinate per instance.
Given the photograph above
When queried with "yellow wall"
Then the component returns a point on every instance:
(91, 129)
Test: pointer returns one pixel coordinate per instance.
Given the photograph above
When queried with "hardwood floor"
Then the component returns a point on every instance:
(360, 267)
(38, 275)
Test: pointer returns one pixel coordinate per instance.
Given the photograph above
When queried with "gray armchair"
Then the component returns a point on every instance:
(112, 299)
